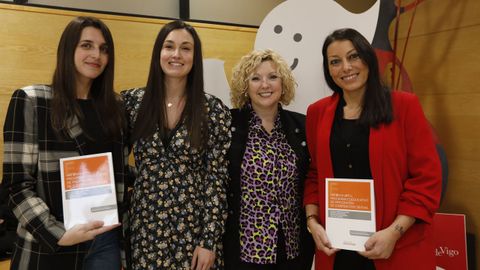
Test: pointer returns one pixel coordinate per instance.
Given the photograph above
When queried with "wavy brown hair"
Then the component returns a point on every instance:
(105, 100)
(152, 114)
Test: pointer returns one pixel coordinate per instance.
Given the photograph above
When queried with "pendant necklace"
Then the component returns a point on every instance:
(177, 103)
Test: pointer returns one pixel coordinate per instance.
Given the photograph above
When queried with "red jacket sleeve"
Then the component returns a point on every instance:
(421, 195)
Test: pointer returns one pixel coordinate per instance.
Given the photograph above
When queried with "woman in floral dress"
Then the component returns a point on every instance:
(180, 138)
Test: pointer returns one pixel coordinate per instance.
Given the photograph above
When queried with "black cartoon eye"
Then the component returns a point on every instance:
(297, 37)
(278, 29)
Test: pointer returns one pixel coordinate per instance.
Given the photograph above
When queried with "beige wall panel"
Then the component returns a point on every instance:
(444, 63)
(28, 48)
(133, 51)
(434, 16)
(456, 120)
(4, 265)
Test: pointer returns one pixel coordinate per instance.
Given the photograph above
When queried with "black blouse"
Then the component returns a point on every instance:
(349, 147)
(96, 139)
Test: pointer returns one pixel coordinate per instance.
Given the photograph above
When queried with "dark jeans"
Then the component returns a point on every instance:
(104, 252)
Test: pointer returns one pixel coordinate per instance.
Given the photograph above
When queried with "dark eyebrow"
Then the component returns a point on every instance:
(183, 43)
(90, 41)
(348, 53)
(352, 51)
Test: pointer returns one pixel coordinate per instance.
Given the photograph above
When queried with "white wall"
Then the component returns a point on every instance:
(248, 12)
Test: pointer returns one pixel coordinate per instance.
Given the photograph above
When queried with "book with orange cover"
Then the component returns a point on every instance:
(88, 189)
(350, 212)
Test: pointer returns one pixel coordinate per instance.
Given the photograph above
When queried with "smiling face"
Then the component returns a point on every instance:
(91, 55)
(346, 67)
(265, 87)
(176, 57)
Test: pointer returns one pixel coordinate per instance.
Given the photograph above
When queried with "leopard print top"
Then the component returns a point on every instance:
(269, 195)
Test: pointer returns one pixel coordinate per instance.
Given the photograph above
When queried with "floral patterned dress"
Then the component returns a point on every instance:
(179, 197)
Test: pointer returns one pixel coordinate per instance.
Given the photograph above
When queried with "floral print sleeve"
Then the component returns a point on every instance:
(215, 210)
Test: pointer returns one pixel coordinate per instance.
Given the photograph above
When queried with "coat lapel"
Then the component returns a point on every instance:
(76, 133)
(325, 133)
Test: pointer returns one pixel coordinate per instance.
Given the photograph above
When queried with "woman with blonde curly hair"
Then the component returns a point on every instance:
(268, 161)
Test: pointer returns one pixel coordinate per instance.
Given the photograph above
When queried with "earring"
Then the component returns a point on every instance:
(246, 94)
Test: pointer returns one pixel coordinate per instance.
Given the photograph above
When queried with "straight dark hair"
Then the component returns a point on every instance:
(106, 101)
(152, 114)
(377, 103)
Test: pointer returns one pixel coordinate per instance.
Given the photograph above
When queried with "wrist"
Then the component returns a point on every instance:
(398, 231)
(311, 218)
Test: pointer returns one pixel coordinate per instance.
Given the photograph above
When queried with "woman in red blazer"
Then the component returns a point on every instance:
(366, 131)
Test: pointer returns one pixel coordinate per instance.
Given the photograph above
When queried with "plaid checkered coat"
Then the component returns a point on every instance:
(31, 175)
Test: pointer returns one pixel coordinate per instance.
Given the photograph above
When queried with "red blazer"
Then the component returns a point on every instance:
(406, 172)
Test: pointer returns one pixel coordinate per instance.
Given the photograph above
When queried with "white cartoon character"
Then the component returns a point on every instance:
(296, 30)
(215, 80)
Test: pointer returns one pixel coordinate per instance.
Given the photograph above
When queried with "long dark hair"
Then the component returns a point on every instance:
(105, 100)
(377, 103)
(152, 114)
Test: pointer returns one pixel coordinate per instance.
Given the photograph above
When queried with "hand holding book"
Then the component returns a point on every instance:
(84, 232)
(381, 244)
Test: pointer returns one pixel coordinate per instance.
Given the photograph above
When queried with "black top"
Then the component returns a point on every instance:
(96, 139)
(349, 147)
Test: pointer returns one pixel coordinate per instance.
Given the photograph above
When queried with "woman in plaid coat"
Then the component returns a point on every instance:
(77, 114)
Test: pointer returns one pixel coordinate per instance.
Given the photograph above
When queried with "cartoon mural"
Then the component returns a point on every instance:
(296, 29)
